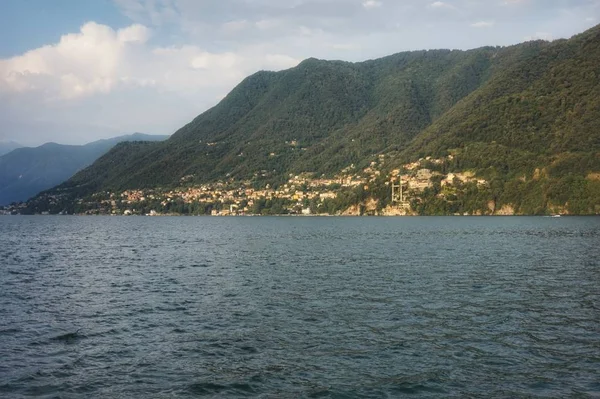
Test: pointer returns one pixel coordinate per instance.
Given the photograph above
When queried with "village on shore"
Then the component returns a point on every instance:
(304, 194)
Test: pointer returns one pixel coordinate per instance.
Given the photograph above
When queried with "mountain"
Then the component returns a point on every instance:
(26, 171)
(8, 146)
(524, 118)
(337, 113)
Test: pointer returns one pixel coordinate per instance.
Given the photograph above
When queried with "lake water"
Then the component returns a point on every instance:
(299, 307)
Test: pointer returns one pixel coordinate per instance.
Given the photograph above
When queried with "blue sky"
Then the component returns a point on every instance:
(29, 24)
(73, 71)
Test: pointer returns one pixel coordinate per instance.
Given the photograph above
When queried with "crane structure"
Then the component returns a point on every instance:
(398, 190)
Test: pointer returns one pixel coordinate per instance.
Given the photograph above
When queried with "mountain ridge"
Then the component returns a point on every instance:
(8, 146)
(526, 106)
(25, 171)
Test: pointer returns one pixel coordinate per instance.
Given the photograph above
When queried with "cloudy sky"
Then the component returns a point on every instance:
(73, 71)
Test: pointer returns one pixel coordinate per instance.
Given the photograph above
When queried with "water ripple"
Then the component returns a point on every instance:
(299, 307)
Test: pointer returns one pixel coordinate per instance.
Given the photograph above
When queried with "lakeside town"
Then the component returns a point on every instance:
(303, 194)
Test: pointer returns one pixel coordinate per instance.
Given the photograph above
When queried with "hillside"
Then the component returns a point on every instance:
(26, 171)
(534, 129)
(322, 106)
(524, 118)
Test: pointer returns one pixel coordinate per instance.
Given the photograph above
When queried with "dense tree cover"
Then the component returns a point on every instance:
(540, 113)
(524, 117)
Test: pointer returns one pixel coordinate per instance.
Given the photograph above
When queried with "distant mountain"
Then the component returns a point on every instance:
(26, 171)
(525, 118)
(8, 146)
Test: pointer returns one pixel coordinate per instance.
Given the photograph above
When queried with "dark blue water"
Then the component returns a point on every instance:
(299, 307)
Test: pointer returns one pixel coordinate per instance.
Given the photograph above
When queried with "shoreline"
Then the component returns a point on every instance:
(309, 216)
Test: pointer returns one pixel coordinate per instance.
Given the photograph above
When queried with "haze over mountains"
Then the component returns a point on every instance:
(26, 171)
(525, 117)
(8, 146)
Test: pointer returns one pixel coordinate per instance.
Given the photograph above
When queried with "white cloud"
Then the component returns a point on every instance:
(483, 24)
(440, 5)
(105, 80)
(79, 64)
(98, 60)
(368, 4)
(135, 33)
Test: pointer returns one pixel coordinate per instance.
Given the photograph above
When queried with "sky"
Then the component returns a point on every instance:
(74, 71)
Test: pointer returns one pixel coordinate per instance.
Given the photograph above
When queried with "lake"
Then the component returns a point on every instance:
(286, 307)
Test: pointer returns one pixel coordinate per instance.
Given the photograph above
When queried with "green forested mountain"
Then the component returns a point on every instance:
(525, 117)
(542, 113)
(26, 171)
